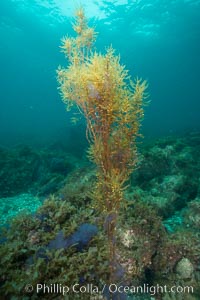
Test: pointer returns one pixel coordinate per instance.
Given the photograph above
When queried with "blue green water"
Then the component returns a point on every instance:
(157, 40)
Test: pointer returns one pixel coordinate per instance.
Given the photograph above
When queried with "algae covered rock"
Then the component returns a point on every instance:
(192, 214)
(24, 169)
(184, 269)
(79, 185)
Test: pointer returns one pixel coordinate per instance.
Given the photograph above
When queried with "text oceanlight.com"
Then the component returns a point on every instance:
(59, 288)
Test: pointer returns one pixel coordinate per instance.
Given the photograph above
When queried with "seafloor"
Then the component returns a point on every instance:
(52, 234)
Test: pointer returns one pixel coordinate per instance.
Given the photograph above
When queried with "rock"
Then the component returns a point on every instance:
(60, 165)
(184, 269)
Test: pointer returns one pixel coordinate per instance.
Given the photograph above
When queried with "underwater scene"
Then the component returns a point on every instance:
(100, 150)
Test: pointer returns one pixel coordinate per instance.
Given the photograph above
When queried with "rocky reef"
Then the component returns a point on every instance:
(60, 238)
